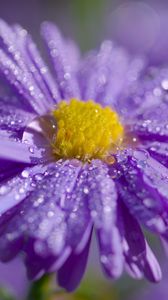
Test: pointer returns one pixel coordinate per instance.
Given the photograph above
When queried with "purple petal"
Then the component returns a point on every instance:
(102, 80)
(150, 266)
(36, 266)
(9, 169)
(134, 246)
(13, 69)
(143, 188)
(145, 95)
(21, 152)
(100, 73)
(14, 190)
(102, 199)
(78, 218)
(49, 215)
(70, 275)
(37, 67)
(150, 130)
(132, 233)
(24, 223)
(59, 55)
(9, 251)
(133, 270)
(158, 151)
(139, 257)
(74, 53)
(146, 265)
(13, 119)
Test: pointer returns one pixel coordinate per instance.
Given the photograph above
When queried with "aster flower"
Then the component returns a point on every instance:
(80, 149)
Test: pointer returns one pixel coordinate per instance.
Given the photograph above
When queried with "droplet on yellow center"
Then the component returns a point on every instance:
(86, 130)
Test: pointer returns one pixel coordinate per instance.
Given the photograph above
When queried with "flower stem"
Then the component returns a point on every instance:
(43, 289)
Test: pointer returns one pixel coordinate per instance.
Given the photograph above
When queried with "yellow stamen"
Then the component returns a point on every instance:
(86, 130)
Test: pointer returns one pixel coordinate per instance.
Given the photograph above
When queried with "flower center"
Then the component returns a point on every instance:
(86, 130)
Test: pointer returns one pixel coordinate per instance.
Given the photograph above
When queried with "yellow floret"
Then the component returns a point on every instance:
(86, 130)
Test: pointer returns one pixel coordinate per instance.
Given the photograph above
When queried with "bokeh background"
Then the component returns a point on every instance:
(81, 19)
(88, 22)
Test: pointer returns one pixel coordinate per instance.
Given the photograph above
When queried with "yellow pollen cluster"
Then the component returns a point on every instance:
(85, 130)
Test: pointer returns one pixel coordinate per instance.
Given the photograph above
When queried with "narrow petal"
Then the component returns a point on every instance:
(140, 260)
(146, 94)
(13, 68)
(134, 245)
(13, 119)
(48, 215)
(100, 71)
(19, 152)
(143, 188)
(102, 80)
(74, 52)
(15, 189)
(150, 130)
(78, 219)
(102, 199)
(9, 169)
(59, 55)
(132, 234)
(33, 218)
(133, 270)
(145, 266)
(36, 266)
(36, 66)
(151, 267)
(70, 275)
(158, 150)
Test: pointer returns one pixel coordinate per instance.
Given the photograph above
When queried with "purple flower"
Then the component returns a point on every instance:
(70, 166)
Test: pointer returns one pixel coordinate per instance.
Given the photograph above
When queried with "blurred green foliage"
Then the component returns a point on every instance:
(5, 295)
(91, 288)
(88, 20)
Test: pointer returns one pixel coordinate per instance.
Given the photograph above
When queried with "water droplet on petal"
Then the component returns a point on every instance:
(3, 190)
(38, 177)
(31, 149)
(25, 174)
(86, 190)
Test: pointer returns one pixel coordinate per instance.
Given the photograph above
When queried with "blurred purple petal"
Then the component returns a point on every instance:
(70, 275)
(59, 53)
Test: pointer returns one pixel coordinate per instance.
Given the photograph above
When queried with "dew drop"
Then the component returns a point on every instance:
(21, 190)
(148, 202)
(50, 214)
(67, 76)
(165, 84)
(94, 214)
(38, 177)
(103, 259)
(3, 190)
(31, 149)
(38, 201)
(25, 174)
(86, 190)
